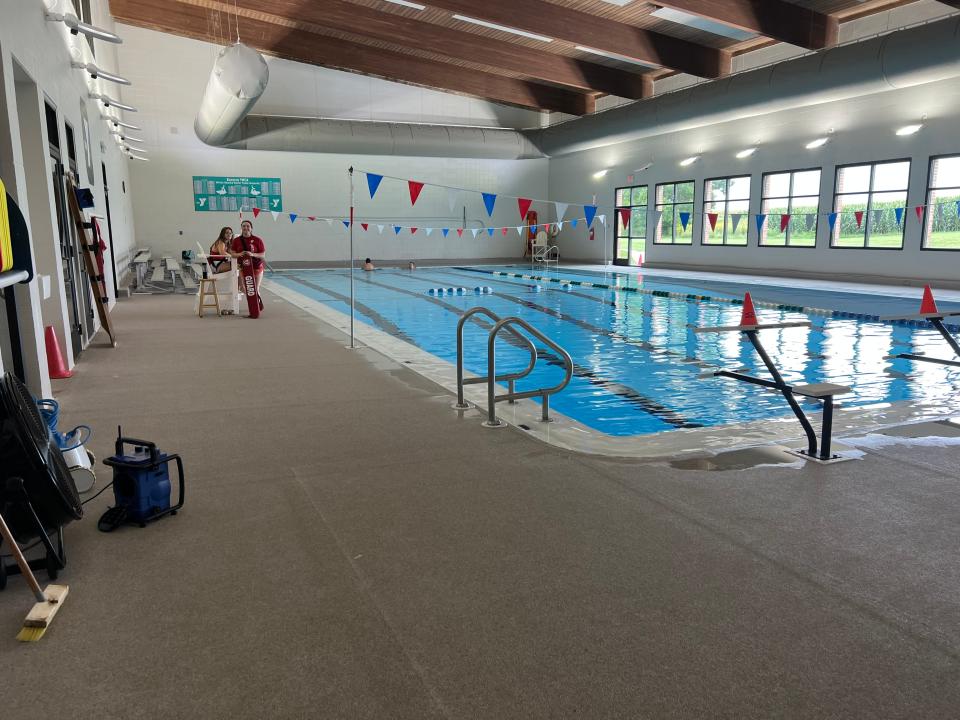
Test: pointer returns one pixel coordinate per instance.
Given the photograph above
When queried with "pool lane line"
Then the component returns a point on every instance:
(692, 297)
(379, 320)
(625, 392)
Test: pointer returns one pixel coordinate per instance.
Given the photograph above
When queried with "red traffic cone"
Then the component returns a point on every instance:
(928, 306)
(55, 362)
(749, 316)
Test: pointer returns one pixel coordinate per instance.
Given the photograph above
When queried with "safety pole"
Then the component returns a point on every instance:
(350, 172)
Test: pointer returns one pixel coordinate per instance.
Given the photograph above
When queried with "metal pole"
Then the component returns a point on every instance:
(938, 324)
(350, 172)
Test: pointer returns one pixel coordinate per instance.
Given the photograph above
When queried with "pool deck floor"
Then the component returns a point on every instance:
(351, 547)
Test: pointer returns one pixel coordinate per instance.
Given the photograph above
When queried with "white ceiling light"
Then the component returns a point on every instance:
(746, 153)
(109, 101)
(415, 6)
(700, 23)
(819, 142)
(601, 173)
(137, 157)
(614, 56)
(909, 129)
(504, 28)
(96, 72)
(689, 161)
(76, 27)
(121, 123)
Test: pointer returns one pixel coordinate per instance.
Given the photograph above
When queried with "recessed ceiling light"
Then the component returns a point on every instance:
(415, 6)
(819, 142)
(910, 129)
(614, 56)
(746, 153)
(701, 23)
(504, 28)
(600, 173)
(689, 161)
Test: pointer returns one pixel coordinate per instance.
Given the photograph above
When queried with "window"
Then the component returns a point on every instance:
(867, 199)
(729, 198)
(796, 194)
(71, 148)
(675, 209)
(53, 133)
(631, 240)
(941, 224)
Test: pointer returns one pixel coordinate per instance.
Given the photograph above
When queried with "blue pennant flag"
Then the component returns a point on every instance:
(396, 229)
(899, 213)
(589, 211)
(490, 232)
(346, 223)
(832, 219)
(293, 217)
(761, 219)
(373, 182)
(533, 229)
(446, 231)
(573, 223)
(488, 200)
(684, 219)
(958, 208)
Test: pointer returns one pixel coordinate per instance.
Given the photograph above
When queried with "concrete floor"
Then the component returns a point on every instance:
(350, 548)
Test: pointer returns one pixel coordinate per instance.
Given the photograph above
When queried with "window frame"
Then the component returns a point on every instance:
(616, 220)
(657, 206)
(868, 212)
(926, 200)
(816, 227)
(726, 202)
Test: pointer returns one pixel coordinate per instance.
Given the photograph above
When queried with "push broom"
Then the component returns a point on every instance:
(48, 603)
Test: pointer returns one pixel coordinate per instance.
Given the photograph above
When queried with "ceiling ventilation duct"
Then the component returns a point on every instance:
(237, 81)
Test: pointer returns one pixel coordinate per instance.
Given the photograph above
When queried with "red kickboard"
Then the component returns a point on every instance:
(248, 283)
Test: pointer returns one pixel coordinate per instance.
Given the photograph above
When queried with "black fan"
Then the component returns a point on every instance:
(37, 494)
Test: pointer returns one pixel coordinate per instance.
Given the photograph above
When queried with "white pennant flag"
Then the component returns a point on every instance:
(657, 217)
(329, 221)
(520, 230)
(560, 226)
(474, 231)
(877, 217)
(380, 229)
(735, 218)
(275, 215)
(428, 231)
(810, 219)
(603, 219)
(561, 209)
(453, 198)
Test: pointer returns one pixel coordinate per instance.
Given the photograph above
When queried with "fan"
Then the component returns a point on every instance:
(37, 493)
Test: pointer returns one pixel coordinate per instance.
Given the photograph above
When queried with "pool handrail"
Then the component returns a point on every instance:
(511, 378)
(543, 393)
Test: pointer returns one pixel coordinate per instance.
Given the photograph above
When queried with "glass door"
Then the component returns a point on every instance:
(629, 244)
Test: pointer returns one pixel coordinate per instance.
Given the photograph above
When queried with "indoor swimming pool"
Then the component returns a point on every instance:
(638, 366)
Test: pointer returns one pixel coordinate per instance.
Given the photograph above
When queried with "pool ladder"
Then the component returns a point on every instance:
(491, 378)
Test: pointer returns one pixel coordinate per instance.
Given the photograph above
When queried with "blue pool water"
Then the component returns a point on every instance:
(637, 362)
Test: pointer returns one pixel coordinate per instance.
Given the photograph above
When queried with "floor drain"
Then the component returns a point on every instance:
(525, 427)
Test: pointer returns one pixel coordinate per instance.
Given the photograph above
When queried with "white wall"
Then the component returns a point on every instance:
(313, 184)
(42, 50)
(863, 132)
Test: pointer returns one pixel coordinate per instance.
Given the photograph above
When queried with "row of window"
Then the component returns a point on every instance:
(869, 209)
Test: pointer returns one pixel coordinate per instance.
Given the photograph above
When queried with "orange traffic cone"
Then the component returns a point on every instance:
(55, 362)
(928, 306)
(748, 317)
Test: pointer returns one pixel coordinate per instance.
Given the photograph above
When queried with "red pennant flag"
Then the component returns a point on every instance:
(504, 231)
(625, 216)
(413, 230)
(524, 205)
(713, 217)
(749, 316)
(859, 215)
(928, 305)
(311, 218)
(256, 211)
(364, 226)
(919, 211)
(415, 188)
(460, 232)
(784, 221)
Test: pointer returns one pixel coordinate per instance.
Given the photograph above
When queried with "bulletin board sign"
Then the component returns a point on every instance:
(232, 194)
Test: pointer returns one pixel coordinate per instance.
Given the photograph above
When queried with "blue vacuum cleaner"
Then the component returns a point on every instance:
(141, 484)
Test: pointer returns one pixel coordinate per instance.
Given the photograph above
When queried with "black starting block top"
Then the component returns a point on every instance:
(820, 390)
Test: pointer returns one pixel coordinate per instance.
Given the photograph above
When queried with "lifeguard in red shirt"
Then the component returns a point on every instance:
(249, 245)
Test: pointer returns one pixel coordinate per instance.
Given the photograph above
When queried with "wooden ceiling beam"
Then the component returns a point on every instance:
(775, 19)
(456, 44)
(188, 20)
(562, 23)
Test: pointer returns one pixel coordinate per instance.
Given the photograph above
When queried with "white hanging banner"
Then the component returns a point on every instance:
(735, 218)
(561, 209)
(275, 215)
(329, 221)
(657, 217)
(560, 226)
(453, 197)
(603, 219)
(380, 228)
(520, 230)
(428, 231)
(809, 220)
(474, 231)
